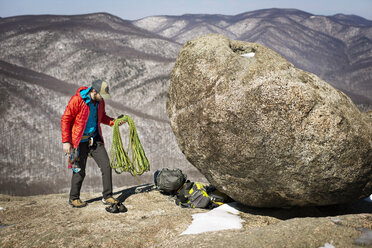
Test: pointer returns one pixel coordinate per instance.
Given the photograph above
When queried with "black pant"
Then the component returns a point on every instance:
(99, 154)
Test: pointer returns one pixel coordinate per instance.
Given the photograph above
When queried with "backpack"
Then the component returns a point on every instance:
(196, 195)
(193, 195)
(169, 181)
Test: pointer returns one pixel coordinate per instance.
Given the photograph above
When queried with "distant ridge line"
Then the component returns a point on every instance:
(52, 83)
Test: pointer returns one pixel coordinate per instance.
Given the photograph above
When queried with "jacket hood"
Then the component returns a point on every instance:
(83, 93)
(80, 89)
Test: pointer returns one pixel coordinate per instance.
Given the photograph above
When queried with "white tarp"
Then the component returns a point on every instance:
(223, 217)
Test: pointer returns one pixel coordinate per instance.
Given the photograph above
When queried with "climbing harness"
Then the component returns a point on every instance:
(119, 160)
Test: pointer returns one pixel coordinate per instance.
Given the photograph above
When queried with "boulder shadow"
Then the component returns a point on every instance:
(359, 207)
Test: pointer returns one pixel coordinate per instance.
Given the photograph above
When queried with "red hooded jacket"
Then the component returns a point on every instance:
(75, 118)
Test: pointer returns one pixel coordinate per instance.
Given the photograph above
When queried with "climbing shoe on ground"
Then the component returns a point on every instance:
(77, 203)
(116, 208)
(110, 201)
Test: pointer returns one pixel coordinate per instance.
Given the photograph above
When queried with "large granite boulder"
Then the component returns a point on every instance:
(264, 132)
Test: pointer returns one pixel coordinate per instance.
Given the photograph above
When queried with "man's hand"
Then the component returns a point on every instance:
(67, 148)
(121, 122)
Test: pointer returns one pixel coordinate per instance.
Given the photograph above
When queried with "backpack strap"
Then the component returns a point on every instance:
(183, 192)
(199, 197)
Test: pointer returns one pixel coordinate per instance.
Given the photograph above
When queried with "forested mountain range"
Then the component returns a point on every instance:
(44, 59)
(337, 48)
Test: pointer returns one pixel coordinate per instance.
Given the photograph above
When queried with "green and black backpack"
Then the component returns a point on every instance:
(169, 181)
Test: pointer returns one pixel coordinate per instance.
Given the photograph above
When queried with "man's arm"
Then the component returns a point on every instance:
(107, 120)
(67, 122)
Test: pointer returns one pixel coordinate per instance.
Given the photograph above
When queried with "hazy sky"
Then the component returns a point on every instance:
(136, 9)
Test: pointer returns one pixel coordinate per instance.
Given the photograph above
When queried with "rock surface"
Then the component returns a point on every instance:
(264, 132)
(297, 232)
(154, 220)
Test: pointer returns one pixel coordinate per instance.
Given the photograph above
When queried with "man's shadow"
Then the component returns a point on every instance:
(126, 193)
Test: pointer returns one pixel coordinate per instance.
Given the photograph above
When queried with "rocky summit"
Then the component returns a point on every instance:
(154, 220)
(265, 132)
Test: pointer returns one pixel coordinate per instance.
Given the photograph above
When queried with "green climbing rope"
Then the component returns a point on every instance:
(119, 160)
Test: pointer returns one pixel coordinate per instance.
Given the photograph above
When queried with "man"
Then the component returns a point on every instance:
(81, 130)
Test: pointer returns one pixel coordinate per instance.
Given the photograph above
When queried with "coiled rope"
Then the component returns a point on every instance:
(119, 160)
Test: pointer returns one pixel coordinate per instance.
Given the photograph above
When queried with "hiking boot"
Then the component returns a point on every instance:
(77, 203)
(110, 201)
